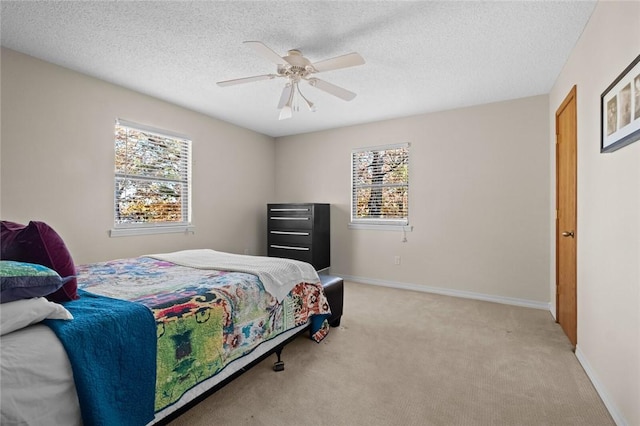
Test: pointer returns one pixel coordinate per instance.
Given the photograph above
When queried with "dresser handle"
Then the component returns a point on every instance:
(290, 248)
(288, 218)
(306, 234)
(289, 210)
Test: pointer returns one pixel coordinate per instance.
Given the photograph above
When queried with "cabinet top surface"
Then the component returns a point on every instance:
(298, 204)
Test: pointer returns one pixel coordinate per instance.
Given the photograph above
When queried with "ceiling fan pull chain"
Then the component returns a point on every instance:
(310, 104)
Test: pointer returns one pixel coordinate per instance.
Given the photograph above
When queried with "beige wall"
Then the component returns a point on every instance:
(482, 190)
(608, 232)
(479, 200)
(58, 163)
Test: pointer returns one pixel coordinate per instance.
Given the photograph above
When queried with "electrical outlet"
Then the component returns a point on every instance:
(396, 260)
(247, 251)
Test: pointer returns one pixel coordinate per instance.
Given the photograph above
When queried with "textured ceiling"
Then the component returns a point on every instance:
(420, 56)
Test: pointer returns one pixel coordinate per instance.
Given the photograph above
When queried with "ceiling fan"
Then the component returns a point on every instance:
(294, 67)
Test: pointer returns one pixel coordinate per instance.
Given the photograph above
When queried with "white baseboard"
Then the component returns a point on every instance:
(448, 292)
(604, 395)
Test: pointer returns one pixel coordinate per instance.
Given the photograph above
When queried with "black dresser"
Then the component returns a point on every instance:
(299, 231)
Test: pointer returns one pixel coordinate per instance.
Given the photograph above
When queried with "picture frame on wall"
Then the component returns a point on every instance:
(620, 110)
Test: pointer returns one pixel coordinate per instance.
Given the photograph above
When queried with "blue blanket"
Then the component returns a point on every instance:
(111, 344)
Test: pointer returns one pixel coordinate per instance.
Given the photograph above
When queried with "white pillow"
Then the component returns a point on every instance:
(21, 313)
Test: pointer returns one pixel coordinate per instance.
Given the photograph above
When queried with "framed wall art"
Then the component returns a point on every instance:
(620, 110)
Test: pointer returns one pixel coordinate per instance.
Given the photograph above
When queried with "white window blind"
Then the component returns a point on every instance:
(380, 185)
(152, 179)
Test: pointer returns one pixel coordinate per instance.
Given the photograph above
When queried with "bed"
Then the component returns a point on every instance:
(151, 335)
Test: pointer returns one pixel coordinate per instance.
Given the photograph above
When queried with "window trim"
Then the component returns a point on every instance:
(129, 229)
(380, 227)
(377, 223)
(151, 229)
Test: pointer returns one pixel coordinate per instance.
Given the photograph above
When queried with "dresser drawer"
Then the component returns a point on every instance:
(295, 238)
(290, 210)
(279, 221)
(290, 252)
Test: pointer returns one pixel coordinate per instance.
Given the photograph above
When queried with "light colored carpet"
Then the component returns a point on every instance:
(409, 358)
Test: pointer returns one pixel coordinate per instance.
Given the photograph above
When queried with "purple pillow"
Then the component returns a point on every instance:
(8, 233)
(38, 243)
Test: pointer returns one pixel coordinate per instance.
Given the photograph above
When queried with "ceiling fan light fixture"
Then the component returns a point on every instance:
(294, 67)
(287, 110)
(286, 94)
(285, 113)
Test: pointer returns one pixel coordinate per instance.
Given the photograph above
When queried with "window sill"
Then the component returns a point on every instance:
(381, 227)
(127, 232)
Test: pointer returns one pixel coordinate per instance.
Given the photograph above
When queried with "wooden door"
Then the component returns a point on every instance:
(566, 236)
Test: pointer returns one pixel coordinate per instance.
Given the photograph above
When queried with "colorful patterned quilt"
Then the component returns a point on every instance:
(205, 318)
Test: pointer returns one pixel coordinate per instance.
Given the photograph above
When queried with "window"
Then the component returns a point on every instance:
(380, 185)
(152, 181)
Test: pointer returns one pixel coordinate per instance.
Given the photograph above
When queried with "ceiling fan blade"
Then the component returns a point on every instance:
(332, 89)
(266, 52)
(286, 94)
(246, 80)
(344, 61)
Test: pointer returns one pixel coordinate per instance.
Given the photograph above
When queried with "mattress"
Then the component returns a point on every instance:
(210, 325)
(35, 368)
